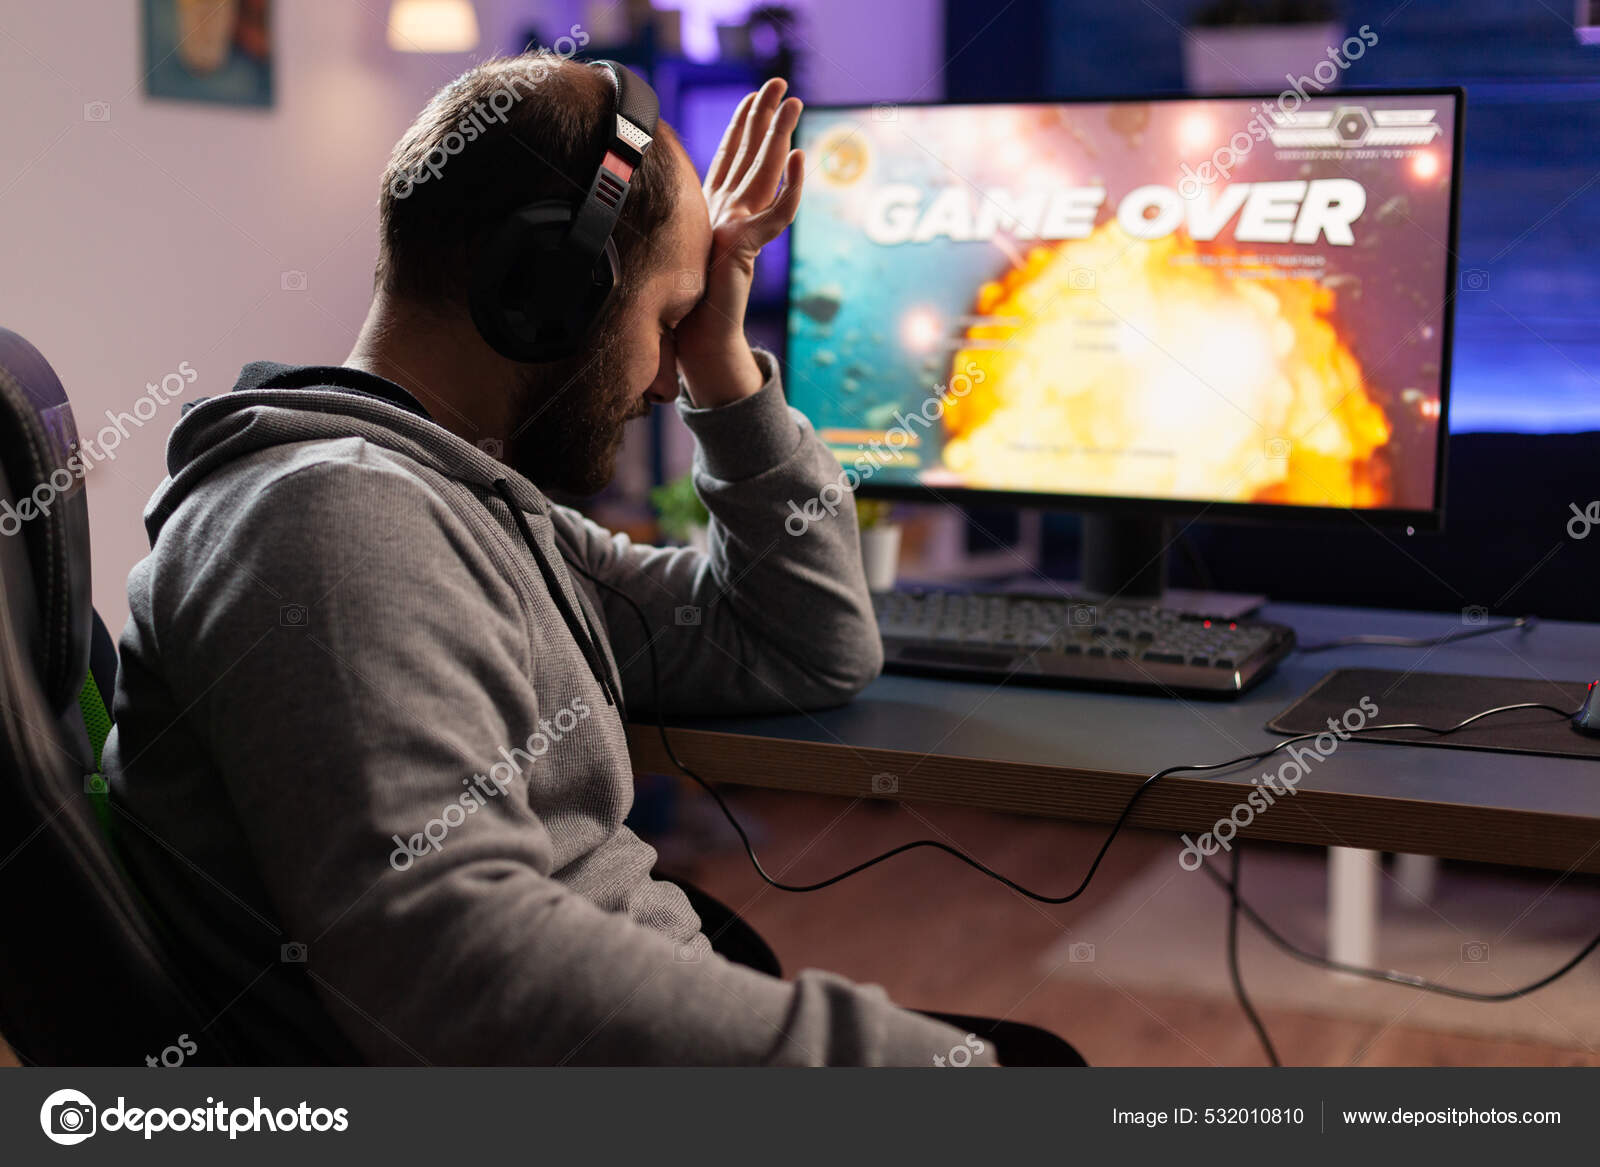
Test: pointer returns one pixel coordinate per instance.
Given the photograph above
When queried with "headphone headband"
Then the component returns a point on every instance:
(637, 111)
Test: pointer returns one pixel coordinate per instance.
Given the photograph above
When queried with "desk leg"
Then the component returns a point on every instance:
(1353, 905)
(1418, 875)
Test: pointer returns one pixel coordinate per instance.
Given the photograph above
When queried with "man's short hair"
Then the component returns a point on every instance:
(511, 131)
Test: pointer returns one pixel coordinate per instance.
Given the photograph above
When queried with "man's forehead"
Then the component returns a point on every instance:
(690, 223)
(690, 198)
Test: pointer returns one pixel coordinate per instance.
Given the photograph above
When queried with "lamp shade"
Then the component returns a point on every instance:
(433, 26)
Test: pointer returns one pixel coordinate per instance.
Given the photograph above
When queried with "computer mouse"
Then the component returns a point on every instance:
(1587, 719)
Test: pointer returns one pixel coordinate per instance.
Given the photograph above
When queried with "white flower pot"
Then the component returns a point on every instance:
(880, 555)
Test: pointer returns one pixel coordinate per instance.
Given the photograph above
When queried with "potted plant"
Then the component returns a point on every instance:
(682, 517)
(1238, 45)
(880, 543)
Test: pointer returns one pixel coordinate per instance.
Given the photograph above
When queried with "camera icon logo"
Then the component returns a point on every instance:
(1474, 952)
(1081, 953)
(95, 784)
(686, 616)
(493, 447)
(1083, 615)
(97, 111)
(960, 1056)
(293, 953)
(1278, 449)
(293, 281)
(68, 1117)
(1474, 279)
(292, 616)
(690, 280)
(885, 111)
(686, 953)
(1081, 279)
(885, 783)
(1475, 615)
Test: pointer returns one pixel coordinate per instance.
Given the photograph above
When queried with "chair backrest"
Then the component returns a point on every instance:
(84, 975)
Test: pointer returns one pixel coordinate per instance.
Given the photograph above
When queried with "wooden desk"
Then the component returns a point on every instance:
(1080, 755)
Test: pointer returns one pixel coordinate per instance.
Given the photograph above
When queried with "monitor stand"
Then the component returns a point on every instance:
(1126, 559)
(1115, 552)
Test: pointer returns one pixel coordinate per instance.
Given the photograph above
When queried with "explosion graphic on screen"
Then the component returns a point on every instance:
(1113, 365)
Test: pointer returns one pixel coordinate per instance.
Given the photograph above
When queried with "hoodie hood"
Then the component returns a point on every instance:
(275, 405)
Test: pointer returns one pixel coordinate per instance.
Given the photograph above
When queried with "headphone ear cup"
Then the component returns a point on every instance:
(530, 298)
(502, 264)
(603, 280)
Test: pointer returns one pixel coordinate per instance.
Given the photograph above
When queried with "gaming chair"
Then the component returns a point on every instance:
(84, 976)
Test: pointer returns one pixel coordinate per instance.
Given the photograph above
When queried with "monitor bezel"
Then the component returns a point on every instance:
(1431, 519)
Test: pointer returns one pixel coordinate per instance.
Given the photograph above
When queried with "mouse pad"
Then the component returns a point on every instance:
(1442, 699)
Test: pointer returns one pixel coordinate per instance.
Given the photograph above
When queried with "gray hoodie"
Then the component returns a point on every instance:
(369, 749)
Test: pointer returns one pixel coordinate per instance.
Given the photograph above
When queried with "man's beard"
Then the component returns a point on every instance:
(570, 423)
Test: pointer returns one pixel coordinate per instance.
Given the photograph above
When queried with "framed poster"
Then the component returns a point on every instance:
(209, 50)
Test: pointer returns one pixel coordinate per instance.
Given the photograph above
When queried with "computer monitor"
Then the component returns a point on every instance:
(1236, 307)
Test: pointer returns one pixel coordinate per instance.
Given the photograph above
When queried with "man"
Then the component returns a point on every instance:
(370, 719)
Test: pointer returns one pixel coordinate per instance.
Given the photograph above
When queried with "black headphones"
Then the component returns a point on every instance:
(544, 274)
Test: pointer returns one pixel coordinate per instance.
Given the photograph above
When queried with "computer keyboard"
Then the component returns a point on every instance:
(1048, 640)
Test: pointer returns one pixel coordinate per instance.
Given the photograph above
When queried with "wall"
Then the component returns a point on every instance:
(163, 234)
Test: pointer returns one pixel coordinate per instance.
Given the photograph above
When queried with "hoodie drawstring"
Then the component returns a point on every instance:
(577, 623)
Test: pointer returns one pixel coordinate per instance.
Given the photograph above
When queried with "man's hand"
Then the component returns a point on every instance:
(747, 212)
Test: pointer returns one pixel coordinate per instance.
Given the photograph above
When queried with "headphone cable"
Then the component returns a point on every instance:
(1234, 973)
(1237, 906)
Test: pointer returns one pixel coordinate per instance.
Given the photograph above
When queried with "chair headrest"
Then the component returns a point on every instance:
(44, 518)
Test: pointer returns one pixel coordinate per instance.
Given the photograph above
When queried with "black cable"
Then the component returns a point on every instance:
(749, 848)
(1390, 976)
(1236, 904)
(1105, 846)
(1234, 974)
(1523, 622)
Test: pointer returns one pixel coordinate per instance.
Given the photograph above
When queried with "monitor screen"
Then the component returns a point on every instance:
(1169, 304)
